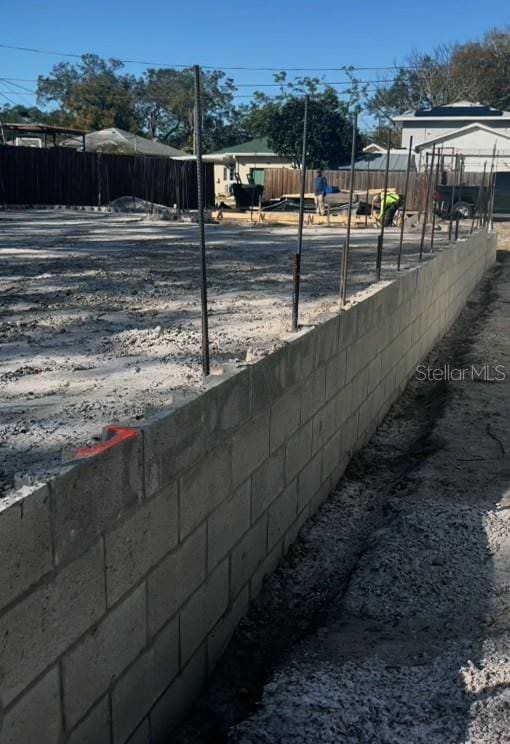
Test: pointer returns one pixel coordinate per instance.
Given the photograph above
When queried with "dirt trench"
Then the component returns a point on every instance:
(388, 620)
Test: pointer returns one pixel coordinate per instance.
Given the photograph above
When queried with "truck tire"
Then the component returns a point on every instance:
(463, 209)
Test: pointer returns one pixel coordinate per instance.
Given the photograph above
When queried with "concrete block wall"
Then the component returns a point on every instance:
(123, 578)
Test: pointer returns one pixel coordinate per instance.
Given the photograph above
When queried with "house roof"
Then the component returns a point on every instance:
(377, 161)
(461, 110)
(42, 129)
(258, 147)
(139, 145)
(456, 133)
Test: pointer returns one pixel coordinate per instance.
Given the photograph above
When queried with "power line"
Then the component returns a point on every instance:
(10, 81)
(9, 99)
(350, 68)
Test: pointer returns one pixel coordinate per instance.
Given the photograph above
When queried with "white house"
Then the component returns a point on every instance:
(240, 163)
(471, 130)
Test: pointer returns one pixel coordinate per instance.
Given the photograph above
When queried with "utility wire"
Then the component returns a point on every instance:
(339, 68)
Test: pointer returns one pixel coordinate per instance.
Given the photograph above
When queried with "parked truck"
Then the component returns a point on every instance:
(466, 200)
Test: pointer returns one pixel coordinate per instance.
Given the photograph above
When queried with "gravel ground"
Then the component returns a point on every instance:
(389, 621)
(100, 315)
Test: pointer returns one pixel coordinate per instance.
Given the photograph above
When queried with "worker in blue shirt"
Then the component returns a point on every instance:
(319, 191)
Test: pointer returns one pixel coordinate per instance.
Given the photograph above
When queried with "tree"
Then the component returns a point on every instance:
(166, 106)
(483, 69)
(424, 81)
(477, 71)
(92, 94)
(18, 114)
(280, 119)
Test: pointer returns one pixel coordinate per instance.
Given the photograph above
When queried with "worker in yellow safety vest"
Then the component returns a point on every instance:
(387, 209)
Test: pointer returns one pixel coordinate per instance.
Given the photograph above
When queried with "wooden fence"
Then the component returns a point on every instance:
(279, 181)
(30, 176)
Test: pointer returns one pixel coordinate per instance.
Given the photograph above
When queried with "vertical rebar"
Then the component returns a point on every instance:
(427, 199)
(493, 195)
(347, 244)
(197, 147)
(439, 161)
(368, 193)
(297, 257)
(378, 260)
(488, 195)
(385, 196)
(406, 189)
(452, 202)
(476, 211)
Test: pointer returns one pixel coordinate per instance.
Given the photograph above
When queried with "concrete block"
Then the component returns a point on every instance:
(309, 481)
(143, 683)
(36, 716)
(285, 415)
(201, 613)
(298, 451)
(34, 632)
(228, 523)
(313, 394)
(350, 433)
(348, 327)
(302, 354)
(227, 406)
(250, 447)
(266, 568)
(359, 355)
(95, 727)
(327, 340)
(25, 543)
(203, 487)
(267, 482)
(142, 734)
(90, 497)
(332, 454)
(248, 555)
(391, 297)
(325, 424)
(365, 313)
(358, 390)
(103, 654)
(374, 373)
(282, 513)
(269, 379)
(219, 637)
(140, 542)
(292, 533)
(178, 698)
(335, 374)
(173, 582)
(173, 440)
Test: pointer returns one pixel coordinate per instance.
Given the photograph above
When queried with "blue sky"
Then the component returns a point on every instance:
(280, 34)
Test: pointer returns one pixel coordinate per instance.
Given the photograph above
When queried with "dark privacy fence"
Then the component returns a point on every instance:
(33, 176)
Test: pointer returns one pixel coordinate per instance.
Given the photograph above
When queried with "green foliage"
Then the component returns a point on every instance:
(280, 119)
(166, 103)
(28, 115)
(92, 94)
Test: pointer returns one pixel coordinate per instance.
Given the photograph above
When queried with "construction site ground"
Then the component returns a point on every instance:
(100, 315)
(389, 620)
